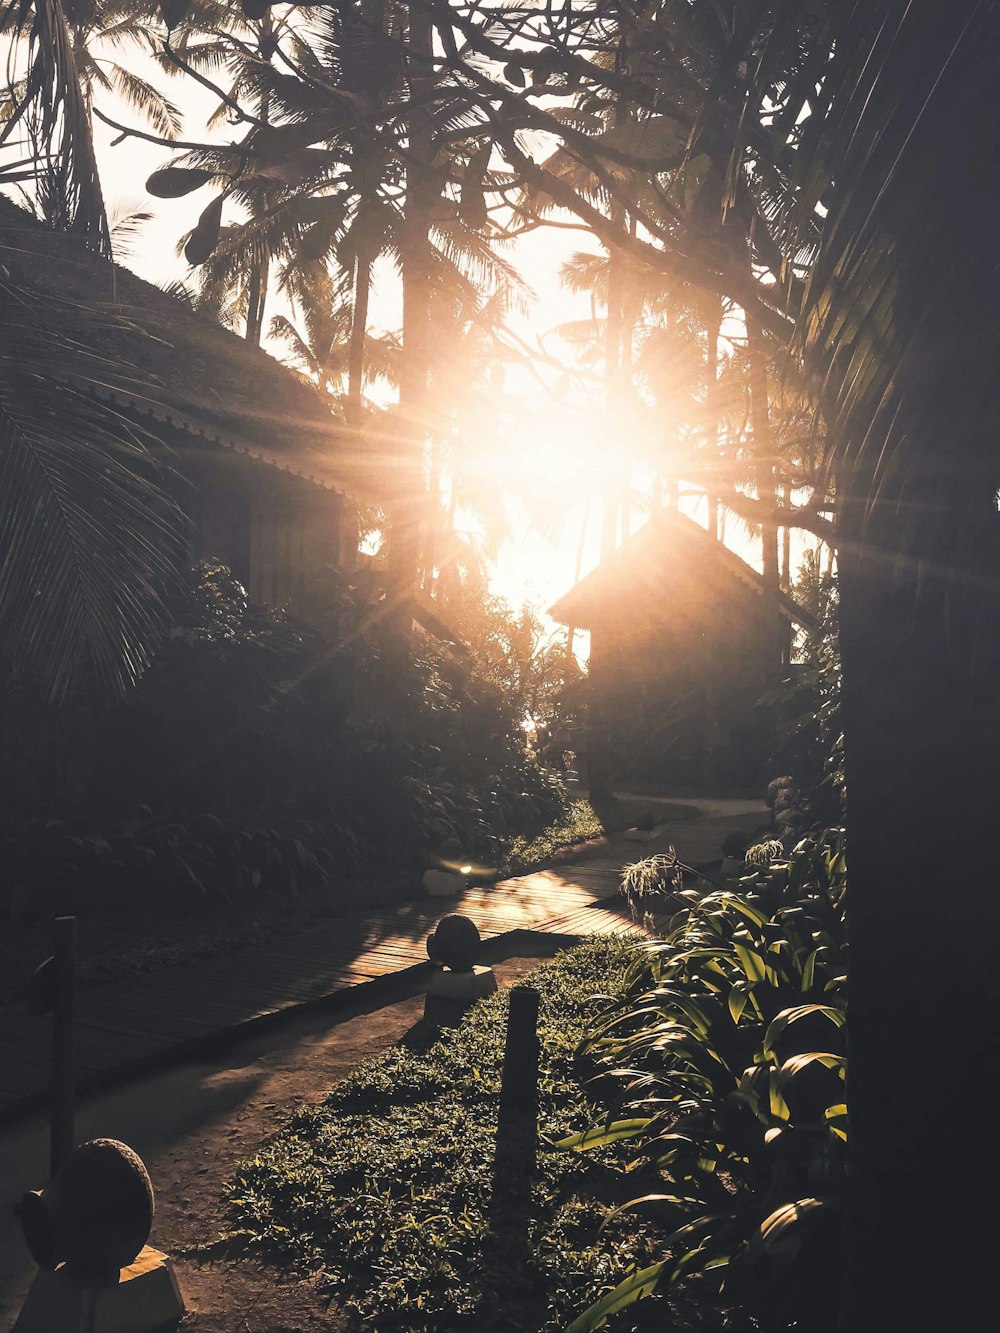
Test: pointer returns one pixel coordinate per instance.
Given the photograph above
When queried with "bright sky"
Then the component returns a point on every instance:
(554, 458)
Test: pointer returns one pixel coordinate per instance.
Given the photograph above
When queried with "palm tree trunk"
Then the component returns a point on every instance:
(259, 273)
(766, 490)
(421, 191)
(712, 406)
(358, 347)
(786, 542)
(256, 297)
(612, 389)
(578, 569)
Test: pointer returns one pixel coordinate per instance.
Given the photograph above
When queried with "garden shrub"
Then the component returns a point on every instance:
(728, 1059)
(805, 709)
(262, 748)
(141, 861)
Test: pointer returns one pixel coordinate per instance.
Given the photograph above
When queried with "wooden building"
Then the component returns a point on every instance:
(253, 454)
(685, 638)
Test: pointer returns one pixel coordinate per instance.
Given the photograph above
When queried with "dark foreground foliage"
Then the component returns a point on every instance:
(262, 754)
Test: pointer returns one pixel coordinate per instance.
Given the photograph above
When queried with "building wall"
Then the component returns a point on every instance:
(680, 681)
(285, 538)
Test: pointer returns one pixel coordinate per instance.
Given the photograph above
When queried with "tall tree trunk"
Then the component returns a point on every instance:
(766, 490)
(714, 423)
(612, 390)
(578, 569)
(421, 192)
(785, 535)
(359, 339)
(260, 271)
(256, 297)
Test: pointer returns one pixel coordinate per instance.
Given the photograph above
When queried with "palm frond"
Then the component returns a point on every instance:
(141, 96)
(91, 541)
(54, 113)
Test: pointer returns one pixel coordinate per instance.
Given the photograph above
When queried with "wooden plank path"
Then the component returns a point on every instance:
(125, 1026)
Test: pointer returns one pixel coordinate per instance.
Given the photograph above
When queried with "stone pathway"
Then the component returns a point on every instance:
(127, 1026)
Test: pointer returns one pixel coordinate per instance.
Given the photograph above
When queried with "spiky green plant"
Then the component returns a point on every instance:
(728, 1061)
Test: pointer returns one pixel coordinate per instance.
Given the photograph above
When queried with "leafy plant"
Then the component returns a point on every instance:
(580, 824)
(728, 1063)
(86, 865)
(658, 878)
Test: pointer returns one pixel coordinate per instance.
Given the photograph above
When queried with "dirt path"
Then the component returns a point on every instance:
(192, 1125)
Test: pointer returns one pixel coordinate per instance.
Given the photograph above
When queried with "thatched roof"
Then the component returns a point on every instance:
(671, 551)
(171, 363)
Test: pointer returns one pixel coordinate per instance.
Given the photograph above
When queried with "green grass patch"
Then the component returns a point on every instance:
(524, 854)
(383, 1190)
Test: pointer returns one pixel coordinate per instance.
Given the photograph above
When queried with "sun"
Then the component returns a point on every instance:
(556, 471)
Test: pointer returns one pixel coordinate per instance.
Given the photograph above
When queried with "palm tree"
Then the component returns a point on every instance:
(49, 108)
(318, 336)
(90, 542)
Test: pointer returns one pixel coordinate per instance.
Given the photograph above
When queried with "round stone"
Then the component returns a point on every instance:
(455, 943)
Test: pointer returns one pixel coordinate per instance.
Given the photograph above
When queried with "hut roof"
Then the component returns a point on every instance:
(670, 551)
(169, 362)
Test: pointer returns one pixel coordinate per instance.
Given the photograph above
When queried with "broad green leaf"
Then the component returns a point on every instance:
(789, 1215)
(738, 997)
(836, 1118)
(602, 1134)
(789, 1016)
(797, 1063)
(634, 1288)
(751, 961)
(742, 908)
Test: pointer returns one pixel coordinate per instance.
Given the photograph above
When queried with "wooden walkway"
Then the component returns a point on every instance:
(126, 1026)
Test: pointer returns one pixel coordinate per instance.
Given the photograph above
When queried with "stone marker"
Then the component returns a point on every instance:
(87, 1231)
(456, 982)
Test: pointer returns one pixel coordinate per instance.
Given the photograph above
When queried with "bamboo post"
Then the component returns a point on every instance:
(63, 1080)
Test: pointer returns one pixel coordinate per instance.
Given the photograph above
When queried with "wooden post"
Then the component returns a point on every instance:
(63, 1080)
(517, 1123)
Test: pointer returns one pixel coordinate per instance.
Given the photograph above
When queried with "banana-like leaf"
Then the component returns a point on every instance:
(789, 1016)
(602, 1134)
(634, 1288)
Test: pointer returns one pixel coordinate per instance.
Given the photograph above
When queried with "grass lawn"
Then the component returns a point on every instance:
(382, 1191)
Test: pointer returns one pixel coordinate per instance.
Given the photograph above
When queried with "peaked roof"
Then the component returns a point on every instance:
(172, 363)
(670, 548)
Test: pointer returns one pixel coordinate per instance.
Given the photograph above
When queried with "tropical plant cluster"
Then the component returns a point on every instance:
(806, 708)
(138, 861)
(262, 756)
(724, 1064)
